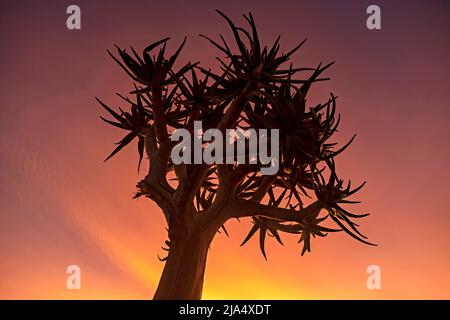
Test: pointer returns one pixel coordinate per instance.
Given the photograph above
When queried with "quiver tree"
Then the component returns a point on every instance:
(256, 87)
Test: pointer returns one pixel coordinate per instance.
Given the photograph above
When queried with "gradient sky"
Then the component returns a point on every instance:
(61, 205)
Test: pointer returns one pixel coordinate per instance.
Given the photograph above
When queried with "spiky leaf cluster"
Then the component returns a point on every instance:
(272, 94)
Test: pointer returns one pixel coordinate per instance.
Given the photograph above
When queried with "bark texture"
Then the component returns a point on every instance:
(182, 278)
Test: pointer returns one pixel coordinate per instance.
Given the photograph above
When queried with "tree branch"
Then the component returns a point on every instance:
(155, 185)
(263, 188)
(159, 117)
(234, 111)
(247, 208)
(189, 187)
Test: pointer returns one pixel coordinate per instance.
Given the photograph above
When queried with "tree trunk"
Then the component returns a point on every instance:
(182, 278)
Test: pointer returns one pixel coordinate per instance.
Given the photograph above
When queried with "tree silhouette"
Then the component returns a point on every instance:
(252, 89)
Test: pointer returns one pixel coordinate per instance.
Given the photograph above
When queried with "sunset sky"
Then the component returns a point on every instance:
(61, 205)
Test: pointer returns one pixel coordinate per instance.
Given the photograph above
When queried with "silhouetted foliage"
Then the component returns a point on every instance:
(255, 86)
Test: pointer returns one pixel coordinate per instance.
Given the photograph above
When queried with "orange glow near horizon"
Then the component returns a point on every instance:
(62, 205)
